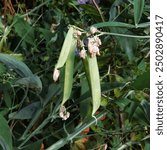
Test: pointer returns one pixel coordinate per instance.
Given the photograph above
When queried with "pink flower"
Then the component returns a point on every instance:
(93, 46)
(82, 53)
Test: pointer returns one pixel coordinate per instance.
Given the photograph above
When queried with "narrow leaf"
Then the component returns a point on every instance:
(24, 30)
(15, 64)
(142, 81)
(113, 24)
(85, 106)
(138, 10)
(32, 82)
(26, 112)
(69, 43)
(126, 44)
(71, 136)
(5, 135)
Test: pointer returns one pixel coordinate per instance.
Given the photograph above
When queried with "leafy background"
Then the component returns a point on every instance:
(31, 37)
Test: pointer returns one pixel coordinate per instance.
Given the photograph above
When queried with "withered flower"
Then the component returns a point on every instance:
(63, 113)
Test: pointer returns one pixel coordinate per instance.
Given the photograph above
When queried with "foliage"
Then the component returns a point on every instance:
(98, 54)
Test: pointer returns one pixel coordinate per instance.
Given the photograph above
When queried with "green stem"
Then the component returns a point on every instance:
(35, 132)
(123, 35)
(73, 135)
(36, 8)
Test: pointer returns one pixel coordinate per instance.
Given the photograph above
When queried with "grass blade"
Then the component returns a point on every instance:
(113, 24)
(71, 136)
(138, 10)
(5, 135)
(17, 65)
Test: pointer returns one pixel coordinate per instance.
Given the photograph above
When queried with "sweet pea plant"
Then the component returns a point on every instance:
(89, 60)
(74, 75)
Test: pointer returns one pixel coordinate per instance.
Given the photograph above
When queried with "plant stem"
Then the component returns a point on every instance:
(98, 9)
(123, 35)
(36, 8)
(35, 131)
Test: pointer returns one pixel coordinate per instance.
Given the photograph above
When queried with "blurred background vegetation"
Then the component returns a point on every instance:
(31, 37)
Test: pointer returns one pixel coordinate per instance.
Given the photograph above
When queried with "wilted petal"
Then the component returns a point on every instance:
(93, 30)
(82, 53)
(66, 116)
(79, 33)
(63, 113)
(56, 74)
(105, 146)
(97, 41)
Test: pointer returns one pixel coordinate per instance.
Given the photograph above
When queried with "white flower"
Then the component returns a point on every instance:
(79, 33)
(56, 74)
(63, 113)
(93, 30)
(53, 27)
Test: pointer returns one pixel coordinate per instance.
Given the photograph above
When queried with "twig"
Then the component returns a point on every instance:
(101, 15)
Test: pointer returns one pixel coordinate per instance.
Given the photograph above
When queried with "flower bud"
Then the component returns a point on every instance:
(93, 30)
(56, 74)
(79, 33)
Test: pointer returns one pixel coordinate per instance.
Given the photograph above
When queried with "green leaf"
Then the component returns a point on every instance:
(122, 103)
(68, 45)
(143, 25)
(29, 79)
(146, 108)
(139, 111)
(4, 111)
(132, 108)
(2, 69)
(46, 33)
(6, 95)
(126, 44)
(141, 116)
(147, 146)
(92, 73)
(15, 64)
(89, 9)
(26, 112)
(138, 10)
(5, 135)
(68, 75)
(24, 30)
(142, 81)
(32, 82)
(106, 87)
(85, 106)
(113, 24)
(34, 145)
(52, 90)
